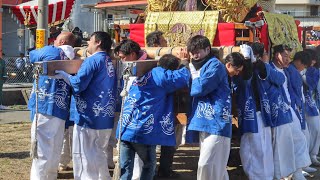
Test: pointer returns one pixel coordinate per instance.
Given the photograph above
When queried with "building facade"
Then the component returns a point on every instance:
(306, 11)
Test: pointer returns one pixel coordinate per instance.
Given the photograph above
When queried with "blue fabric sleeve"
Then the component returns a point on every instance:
(172, 80)
(274, 76)
(81, 80)
(318, 87)
(209, 80)
(312, 77)
(34, 56)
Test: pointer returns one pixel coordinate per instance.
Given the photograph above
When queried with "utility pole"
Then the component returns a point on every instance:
(42, 25)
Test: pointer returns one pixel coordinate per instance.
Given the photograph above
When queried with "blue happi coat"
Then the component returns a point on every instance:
(312, 79)
(317, 94)
(295, 84)
(72, 113)
(94, 92)
(54, 94)
(148, 116)
(211, 105)
(279, 104)
(265, 87)
(246, 106)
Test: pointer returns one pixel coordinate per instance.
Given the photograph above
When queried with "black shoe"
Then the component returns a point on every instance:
(171, 175)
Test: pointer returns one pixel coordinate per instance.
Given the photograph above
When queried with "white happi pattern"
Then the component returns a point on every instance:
(129, 112)
(110, 68)
(45, 96)
(61, 95)
(148, 125)
(226, 111)
(226, 114)
(81, 104)
(266, 105)
(167, 124)
(107, 109)
(310, 102)
(284, 107)
(248, 113)
(205, 110)
(127, 116)
(142, 81)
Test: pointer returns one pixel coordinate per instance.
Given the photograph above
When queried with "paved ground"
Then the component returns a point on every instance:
(13, 115)
(17, 85)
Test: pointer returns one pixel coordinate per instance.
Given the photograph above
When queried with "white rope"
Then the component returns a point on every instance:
(34, 142)
(126, 74)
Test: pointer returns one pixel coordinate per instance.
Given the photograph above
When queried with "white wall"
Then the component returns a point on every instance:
(10, 40)
(309, 2)
(82, 17)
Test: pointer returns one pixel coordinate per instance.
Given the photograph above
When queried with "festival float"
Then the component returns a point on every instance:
(227, 23)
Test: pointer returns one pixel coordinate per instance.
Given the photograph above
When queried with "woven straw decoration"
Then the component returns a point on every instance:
(162, 5)
(232, 10)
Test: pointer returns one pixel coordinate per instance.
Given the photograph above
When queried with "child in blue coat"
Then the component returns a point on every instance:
(148, 118)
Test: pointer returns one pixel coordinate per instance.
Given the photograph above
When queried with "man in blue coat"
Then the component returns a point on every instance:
(53, 110)
(211, 106)
(127, 50)
(253, 107)
(94, 91)
(301, 61)
(148, 118)
(301, 159)
(311, 78)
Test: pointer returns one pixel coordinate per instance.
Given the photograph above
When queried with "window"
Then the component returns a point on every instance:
(314, 11)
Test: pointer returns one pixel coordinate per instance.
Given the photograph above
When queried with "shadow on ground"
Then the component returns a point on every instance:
(16, 155)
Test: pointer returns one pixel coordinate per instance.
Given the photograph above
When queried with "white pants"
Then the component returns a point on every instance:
(113, 140)
(214, 155)
(313, 123)
(89, 153)
(137, 168)
(307, 135)
(302, 158)
(112, 143)
(283, 151)
(66, 154)
(180, 134)
(256, 152)
(50, 138)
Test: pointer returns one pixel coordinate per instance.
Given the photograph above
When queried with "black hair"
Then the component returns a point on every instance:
(78, 41)
(258, 49)
(154, 38)
(317, 50)
(104, 38)
(314, 57)
(21, 54)
(304, 57)
(236, 59)
(198, 42)
(312, 53)
(169, 61)
(280, 49)
(127, 47)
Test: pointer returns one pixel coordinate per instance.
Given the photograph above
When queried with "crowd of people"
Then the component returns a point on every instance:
(277, 102)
